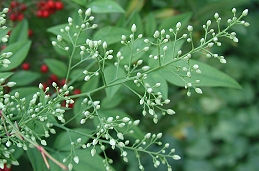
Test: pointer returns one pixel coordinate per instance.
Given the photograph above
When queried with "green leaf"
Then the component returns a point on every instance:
(64, 139)
(150, 25)
(36, 159)
(138, 134)
(126, 52)
(20, 32)
(4, 32)
(6, 75)
(91, 84)
(116, 100)
(171, 22)
(20, 50)
(26, 92)
(110, 34)
(209, 77)
(57, 67)
(105, 6)
(112, 75)
(27, 77)
(80, 2)
(56, 31)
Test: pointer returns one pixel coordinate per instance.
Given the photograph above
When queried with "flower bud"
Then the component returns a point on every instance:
(134, 28)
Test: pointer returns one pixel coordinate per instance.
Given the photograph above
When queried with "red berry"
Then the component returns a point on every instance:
(51, 4)
(71, 105)
(30, 32)
(53, 78)
(77, 91)
(26, 66)
(62, 82)
(23, 7)
(39, 13)
(45, 14)
(14, 4)
(20, 17)
(13, 17)
(59, 5)
(44, 68)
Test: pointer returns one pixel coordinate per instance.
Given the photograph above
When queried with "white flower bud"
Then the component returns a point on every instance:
(11, 84)
(222, 60)
(146, 48)
(43, 142)
(145, 68)
(170, 111)
(156, 34)
(198, 90)
(123, 37)
(190, 28)
(216, 15)
(120, 136)
(104, 45)
(178, 25)
(159, 135)
(134, 28)
(88, 12)
(54, 43)
(234, 10)
(93, 152)
(126, 119)
(112, 142)
(139, 62)
(59, 38)
(76, 159)
(70, 20)
(5, 10)
(208, 23)
(136, 122)
(80, 12)
(176, 157)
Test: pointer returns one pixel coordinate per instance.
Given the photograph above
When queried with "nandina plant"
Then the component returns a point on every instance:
(77, 122)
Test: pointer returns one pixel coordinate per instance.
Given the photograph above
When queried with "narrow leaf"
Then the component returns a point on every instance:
(19, 32)
(112, 75)
(56, 67)
(150, 25)
(20, 50)
(209, 76)
(28, 77)
(64, 139)
(171, 22)
(106, 6)
(110, 34)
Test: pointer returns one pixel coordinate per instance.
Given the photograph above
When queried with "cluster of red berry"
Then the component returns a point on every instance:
(46, 8)
(51, 78)
(16, 10)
